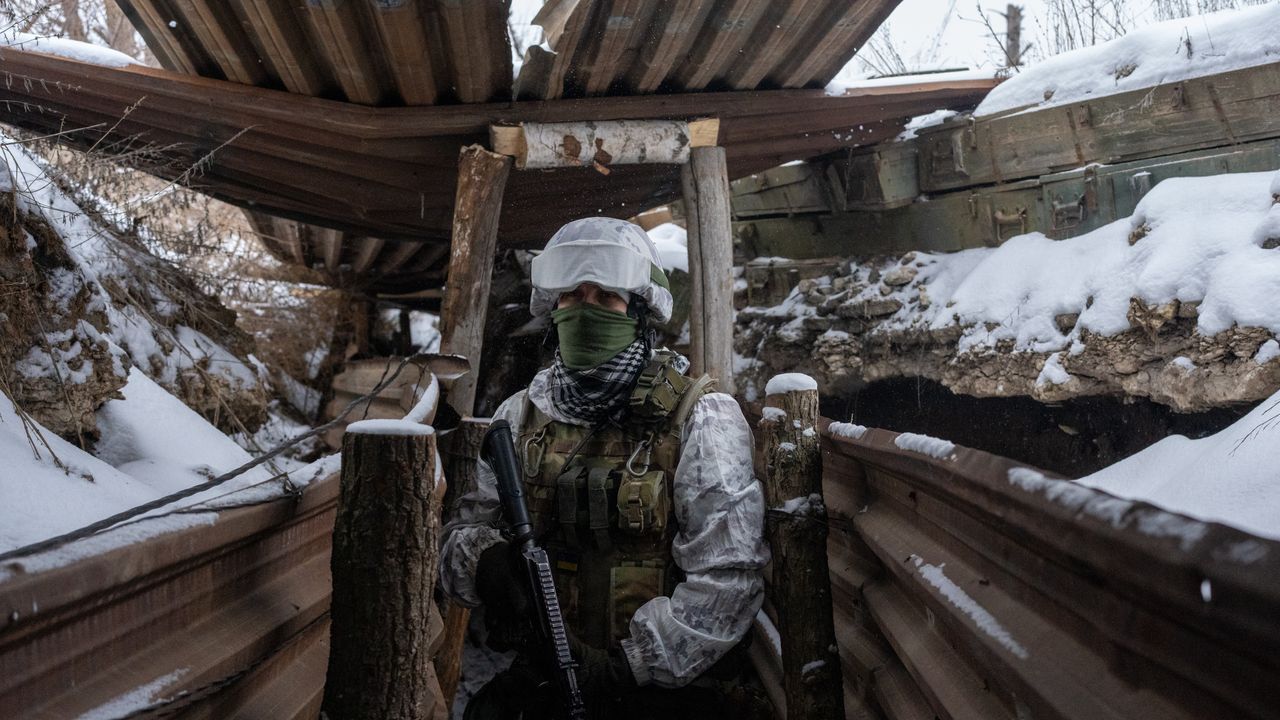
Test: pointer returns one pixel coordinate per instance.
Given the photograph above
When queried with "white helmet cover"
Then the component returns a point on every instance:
(615, 254)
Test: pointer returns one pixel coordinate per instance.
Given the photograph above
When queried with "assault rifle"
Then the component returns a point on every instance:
(498, 450)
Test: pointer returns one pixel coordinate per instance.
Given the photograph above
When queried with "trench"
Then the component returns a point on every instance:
(1072, 438)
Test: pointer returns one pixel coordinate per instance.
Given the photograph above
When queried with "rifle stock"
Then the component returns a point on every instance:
(498, 450)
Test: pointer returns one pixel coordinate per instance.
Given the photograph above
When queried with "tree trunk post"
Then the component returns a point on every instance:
(385, 541)
(797, 529)
(705, 184)
(482, 180)
(463, 451)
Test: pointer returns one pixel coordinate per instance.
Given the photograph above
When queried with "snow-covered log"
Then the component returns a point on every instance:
(384, 570)
(797, 531)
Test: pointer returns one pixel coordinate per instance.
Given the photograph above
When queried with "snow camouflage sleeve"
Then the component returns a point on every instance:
(720, 546)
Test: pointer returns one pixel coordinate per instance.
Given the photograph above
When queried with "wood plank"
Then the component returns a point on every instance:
(550, 83)
(678, 23)
(329, 243)
(941, 675)
(851, 25)
(1014, 650)
(337, 26)
(156, 33)
(1211, 111)
(280, 37)
(402, 28)
(713, 246)
(482, 178)
(728, 30)
(223, 37)
(774, 39)
(367, 251)
(398, 256)
(471, 30)
(620, 29)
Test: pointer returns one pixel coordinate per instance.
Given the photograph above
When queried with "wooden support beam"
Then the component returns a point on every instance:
(482, 179)
(797, 531)
(329, 242)
(705, 182)
(384, 571)
(600, 144)
(461, 454)
(367, 250)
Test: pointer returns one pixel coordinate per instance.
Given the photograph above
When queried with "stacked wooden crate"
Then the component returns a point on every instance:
(976, 182)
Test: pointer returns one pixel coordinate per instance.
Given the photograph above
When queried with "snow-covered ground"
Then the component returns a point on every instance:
(1162, 53)
(1232, 477)
(148, 442)
(1199, 241)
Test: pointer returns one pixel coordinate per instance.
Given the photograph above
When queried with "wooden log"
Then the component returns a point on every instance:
(384, 568)
(601, 144)
(706, 187)
(797, 530)
(460, 468)
(482, 178)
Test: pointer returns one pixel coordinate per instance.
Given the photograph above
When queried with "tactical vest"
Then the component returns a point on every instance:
(601, 501)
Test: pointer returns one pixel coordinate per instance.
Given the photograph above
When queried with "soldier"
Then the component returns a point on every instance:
(639, 483)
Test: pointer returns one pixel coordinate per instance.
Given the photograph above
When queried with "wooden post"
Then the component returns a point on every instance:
(464, 449)
(797, 529)
(385, 541)
(482, 179)
(705, 183)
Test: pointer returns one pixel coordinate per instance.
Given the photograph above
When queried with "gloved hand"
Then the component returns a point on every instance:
(603, 677)
(503, 587)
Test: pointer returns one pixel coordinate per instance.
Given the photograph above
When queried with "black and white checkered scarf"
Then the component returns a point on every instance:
(601, 392)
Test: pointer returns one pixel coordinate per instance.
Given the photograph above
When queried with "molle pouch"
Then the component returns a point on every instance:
(642, 503)
(630, 586)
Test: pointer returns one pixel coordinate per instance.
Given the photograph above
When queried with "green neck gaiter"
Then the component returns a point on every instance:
(590, 334)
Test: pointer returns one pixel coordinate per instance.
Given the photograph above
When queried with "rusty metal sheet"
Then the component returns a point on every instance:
(972, 585)
(389, 173)
(231, 615)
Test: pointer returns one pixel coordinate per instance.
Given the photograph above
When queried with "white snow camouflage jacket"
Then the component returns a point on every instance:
(720, 544)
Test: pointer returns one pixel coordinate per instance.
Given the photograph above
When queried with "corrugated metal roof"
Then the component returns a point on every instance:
(253, 106)
(425, 52)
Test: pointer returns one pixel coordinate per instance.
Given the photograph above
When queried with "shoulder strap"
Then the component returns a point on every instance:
(663, 397)
(689, 398)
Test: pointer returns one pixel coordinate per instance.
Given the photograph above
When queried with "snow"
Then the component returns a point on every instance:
(135, 699)
(812, 666)
(1206, 590)
(1158, 54)
(389, 427)
(773, 414)
(1229, 477)
(1195, 244)
(919, 122)
(154, 437)
(673, 246)
(926, 445)
(62, 47)
(1053, 373)
(789, 382)
(956, 595)
(847, 430)
(1269, 351)
(844, 86)
(42, 499)
(802, 506)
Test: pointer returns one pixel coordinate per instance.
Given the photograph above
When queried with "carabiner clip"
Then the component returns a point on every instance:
(647, 446)
(531, 468)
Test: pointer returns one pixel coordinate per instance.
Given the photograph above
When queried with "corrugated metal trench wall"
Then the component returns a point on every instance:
(965, 587)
